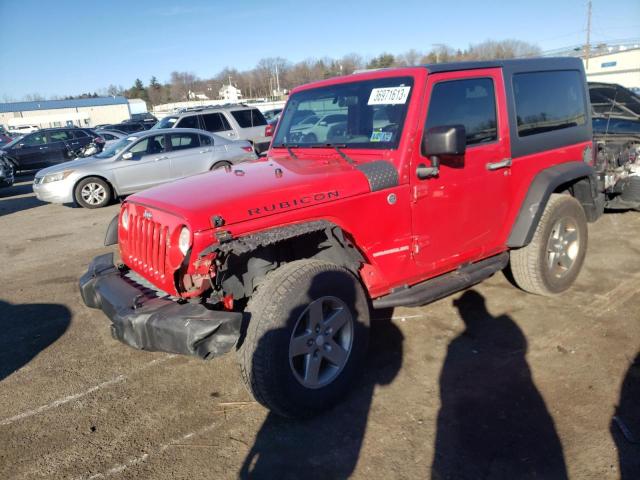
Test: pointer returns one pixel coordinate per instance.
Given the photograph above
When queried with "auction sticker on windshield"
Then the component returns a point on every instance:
(389, 96)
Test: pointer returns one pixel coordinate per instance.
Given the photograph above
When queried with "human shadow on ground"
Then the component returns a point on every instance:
(328, 446)
(493, 422)
(27, 330)
(625, 425)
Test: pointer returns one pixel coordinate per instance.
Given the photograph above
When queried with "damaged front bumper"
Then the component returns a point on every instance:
(147, 322)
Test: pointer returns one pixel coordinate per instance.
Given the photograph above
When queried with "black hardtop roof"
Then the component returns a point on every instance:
(521, 64)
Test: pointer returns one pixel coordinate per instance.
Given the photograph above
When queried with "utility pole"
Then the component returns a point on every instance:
(587, 48)
(277, 79)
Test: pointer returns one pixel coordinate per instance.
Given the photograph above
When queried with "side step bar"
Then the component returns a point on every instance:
(439, 287)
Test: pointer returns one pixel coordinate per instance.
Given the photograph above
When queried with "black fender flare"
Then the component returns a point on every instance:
(543, 185)
(111, 237)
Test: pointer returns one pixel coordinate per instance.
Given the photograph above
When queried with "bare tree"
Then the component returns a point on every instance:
(181, 84)
(409, 58)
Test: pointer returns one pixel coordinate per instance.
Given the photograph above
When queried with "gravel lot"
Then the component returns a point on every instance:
(490, 383)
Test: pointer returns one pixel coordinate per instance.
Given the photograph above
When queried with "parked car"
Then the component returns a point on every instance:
(138, 161)
(473, 166)
(6, 171)
(110, 136)
(616, 134)
(272, 114)
(48, 146)
(147, 119)
(126, 127)
(22, 129)
(236, 122)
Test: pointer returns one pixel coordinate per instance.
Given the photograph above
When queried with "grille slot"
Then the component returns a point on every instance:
(148, 245)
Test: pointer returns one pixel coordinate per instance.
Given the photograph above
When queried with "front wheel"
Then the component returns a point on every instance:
(551, 262)
(92, 192)
(306, 338)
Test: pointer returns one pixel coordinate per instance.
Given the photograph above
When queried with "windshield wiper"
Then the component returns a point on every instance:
(288, 147)
(337, 148)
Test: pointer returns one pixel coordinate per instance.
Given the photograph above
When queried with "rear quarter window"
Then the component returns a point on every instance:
(249, 118)
(547, 101)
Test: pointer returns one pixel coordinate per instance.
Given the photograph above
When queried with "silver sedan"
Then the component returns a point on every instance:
(135, 162)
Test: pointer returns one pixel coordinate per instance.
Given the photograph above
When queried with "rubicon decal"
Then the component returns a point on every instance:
(302, 201)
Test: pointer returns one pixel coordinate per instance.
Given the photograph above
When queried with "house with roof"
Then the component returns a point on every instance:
(230, 93)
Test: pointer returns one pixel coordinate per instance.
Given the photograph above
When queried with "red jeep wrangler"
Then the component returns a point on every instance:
(386, 188)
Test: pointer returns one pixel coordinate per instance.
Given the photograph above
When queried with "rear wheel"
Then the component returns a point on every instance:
(306, 338)
(92, 192)
(552, 261)
(222, 164)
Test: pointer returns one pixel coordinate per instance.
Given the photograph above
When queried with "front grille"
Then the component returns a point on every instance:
(147, 288)
(148, 245)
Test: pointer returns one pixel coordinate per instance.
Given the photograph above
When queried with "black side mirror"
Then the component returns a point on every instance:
(448, 140)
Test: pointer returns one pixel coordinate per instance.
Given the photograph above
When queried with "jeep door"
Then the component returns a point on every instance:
(459, 215)
(148, 166)
(187, 156)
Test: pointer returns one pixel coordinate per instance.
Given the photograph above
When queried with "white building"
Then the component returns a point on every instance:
(621, 65)
(81, 112)
(230, 93)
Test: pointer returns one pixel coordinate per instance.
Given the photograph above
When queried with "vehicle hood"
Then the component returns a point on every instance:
(73, 165)
(255, 189)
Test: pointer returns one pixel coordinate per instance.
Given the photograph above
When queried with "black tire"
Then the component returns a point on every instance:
(221, 164)
(551, 262)
(102, 191)
(14, 164)
(276, 308)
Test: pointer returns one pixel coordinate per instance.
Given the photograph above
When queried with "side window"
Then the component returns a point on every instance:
(215, 122)
(471, 103)
(547, 101)
(34, 139)
(148, 146)
(181, 141)
(59, 136)
(79, 133)
(257, 118)
(243, 117)
(189, 122)
(206, 140)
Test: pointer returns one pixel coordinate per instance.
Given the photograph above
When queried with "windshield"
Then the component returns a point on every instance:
(166, 122)
(14, 141)
(116, 147)
(366, 114)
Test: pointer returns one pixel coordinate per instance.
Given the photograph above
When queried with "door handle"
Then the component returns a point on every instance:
(160, 158)
(74, 143)
(44, 148)
(498, 165)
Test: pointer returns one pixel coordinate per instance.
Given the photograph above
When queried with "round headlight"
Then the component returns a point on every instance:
(184, 241)
(125, 220)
